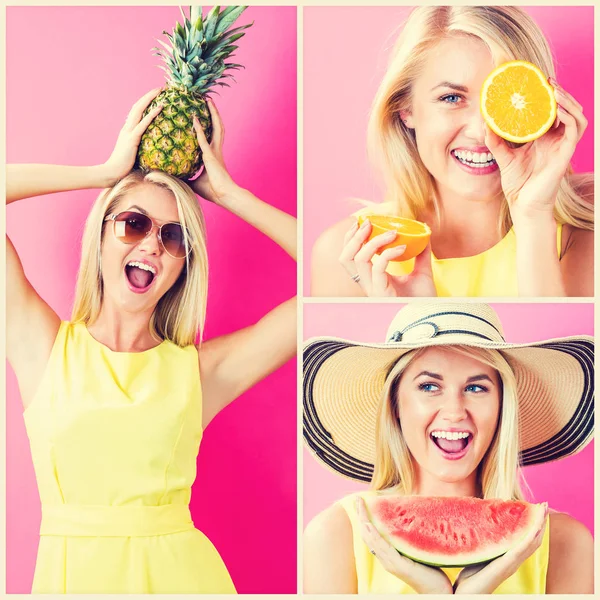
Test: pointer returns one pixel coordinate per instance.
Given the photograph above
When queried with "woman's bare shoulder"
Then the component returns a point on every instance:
(331, 524)
(571, 562)
(329, 566)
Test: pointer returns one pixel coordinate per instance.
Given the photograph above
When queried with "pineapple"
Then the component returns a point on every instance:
(194, 62)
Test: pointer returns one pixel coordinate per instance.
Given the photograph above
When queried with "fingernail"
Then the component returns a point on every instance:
(354, 226)
(399, 249)
(365, 223)
(390, 235)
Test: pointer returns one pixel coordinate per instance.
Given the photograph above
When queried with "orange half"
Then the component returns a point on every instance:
(517, 102)
(413, 234)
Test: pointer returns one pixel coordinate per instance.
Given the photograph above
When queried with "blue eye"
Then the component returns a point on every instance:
(451, 98)
(428, 387)
(477, 389)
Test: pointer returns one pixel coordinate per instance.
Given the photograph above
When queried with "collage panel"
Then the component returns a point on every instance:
(448, 448)
(443, 137)
(133, 318)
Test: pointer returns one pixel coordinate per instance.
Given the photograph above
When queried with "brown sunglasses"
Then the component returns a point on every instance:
(131, 227)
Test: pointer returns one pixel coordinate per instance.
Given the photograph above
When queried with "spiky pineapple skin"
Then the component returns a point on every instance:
(170, 143)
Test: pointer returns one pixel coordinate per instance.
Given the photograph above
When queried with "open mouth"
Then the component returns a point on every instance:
(453, 445)
(139, 276)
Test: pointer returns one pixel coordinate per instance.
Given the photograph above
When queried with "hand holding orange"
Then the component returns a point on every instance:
(517, 102)
(410, 233)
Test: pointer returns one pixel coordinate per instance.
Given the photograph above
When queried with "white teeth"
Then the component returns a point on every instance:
(475, 159)
(143, 266)
(450, 435)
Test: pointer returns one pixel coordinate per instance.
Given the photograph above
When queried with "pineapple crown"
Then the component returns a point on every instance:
(196, 55)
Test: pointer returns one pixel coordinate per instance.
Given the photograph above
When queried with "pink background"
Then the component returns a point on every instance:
(567, 485)
(68, 110)
(345, 56)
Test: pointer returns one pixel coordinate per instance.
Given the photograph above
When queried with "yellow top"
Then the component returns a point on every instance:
(491, 273)
(114, 438)
(372, 578)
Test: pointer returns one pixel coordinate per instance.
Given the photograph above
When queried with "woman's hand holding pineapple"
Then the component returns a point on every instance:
(214, 183)
(123, 156)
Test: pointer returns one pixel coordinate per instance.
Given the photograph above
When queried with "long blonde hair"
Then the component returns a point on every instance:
(510, 34)
(180, 313)
(499, 474)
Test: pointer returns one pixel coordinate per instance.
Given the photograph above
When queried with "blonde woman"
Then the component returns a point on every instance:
(116, 399)
(379, 413)
(521, 226)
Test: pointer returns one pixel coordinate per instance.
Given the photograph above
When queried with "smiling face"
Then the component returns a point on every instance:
(447, 122)
(449, 406)
(139, 287)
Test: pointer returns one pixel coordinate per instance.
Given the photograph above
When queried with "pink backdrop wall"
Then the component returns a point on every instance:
(68, 110)
(567, 485)
(346, 51)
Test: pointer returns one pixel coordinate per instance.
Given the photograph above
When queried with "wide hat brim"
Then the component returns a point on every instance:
(343, 382)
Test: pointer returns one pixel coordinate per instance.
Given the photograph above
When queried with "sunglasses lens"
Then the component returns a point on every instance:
(132, 227)
(173, 239)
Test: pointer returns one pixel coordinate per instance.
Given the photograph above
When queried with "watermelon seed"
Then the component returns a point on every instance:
(442, 527)
(402, 513)
(455, 538)
(463, 537)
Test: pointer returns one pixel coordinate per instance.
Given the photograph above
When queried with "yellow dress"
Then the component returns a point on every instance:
(491, 273)
(530, 578)
(114, 438)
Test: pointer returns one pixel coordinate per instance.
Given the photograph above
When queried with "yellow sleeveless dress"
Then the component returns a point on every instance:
(372, 578)
(491, 273)
(114, 438)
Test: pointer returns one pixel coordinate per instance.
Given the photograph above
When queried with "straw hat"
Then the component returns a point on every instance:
(343, 381)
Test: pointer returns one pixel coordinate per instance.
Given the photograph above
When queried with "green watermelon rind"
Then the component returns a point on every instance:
(471, 559)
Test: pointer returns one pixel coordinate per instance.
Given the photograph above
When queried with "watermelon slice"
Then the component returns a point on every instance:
(451, 532)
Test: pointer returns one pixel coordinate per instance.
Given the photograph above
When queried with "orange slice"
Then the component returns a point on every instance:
(517, 102)
(413, 234)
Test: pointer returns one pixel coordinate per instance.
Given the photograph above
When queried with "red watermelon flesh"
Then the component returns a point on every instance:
(451, 532)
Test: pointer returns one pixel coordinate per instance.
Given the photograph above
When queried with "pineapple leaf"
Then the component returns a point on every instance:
(221, 44)
(227, 18)
(211, 21)
(195, 13)
(168, 48)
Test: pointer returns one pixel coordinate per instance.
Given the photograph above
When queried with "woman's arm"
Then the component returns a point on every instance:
(328, 554)
(274, 223)
(216, 185)
(232, 364)
(571, 562)
(531, 177)
(27, 181)
(577, 263)
(538, 267)
(31, 325)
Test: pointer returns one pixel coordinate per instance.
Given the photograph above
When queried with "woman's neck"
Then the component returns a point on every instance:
(465, 226)
(427, 485)
(123, 332)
